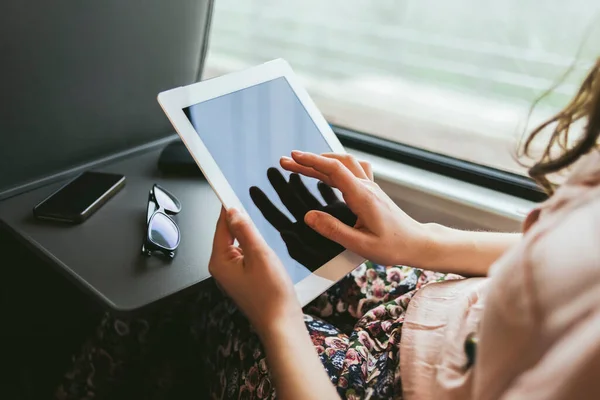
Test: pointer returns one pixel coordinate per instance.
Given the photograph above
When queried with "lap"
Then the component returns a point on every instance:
(144, 358)
(365, 288)
(355, 327)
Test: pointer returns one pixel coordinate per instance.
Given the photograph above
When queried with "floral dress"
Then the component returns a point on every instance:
(201, 346)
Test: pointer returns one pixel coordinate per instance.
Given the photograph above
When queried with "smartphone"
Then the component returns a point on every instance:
(80, 198)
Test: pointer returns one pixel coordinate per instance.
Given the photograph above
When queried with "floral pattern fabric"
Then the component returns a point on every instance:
(202, 346)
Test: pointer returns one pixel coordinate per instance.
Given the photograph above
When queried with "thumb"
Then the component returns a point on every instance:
(334, 229)
(223, 237)
(242, 229)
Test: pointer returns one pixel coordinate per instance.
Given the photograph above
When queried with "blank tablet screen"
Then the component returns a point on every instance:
(247, 132)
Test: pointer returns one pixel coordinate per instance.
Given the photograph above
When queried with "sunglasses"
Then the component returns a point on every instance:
(162, 233)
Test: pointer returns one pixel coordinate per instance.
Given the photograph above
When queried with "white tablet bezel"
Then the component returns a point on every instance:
(174, 101)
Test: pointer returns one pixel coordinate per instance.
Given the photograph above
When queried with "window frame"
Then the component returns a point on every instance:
(477, 174)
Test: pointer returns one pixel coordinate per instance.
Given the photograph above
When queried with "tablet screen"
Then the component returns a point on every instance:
(247, 132)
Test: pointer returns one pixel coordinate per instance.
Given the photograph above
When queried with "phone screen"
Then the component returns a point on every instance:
(79, 195)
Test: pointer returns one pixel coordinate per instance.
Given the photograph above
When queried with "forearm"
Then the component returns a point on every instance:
(463, 252)
(294, 365)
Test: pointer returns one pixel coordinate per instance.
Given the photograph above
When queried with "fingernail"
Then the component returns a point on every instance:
(284, 158)
(297, 153)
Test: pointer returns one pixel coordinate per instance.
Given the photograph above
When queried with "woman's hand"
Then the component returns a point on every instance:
(254, 278)
(383, 232)
(252, 275)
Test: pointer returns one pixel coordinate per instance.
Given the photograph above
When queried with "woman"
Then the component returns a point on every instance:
(385, 332)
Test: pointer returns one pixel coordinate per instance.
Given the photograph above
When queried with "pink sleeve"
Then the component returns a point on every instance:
(563, 255)
(569, 370)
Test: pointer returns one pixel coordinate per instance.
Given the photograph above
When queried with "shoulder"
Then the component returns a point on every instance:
(562, 244)
(584, 177)
(563, 254)
(561, 346)
(544, 286)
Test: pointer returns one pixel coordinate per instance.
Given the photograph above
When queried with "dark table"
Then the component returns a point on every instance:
(103, 255)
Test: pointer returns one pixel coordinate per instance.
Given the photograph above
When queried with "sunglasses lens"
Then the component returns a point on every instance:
(166, 200)
(163, 232)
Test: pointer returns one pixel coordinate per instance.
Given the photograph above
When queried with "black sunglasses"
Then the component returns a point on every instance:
(162, 233)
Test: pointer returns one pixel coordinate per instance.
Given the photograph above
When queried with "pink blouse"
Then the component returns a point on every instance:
(537, 316)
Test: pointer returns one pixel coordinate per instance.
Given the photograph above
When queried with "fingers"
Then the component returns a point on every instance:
(366, 166)
(335, 230)
(367, 170)
(328, 194)
(336, 173)
(269, 211)
(350, 162)
(292, 202)
(290, 165)
(242, 229)
(223, 238)
(300, 189)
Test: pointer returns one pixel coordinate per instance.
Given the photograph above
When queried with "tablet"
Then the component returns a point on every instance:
(237, 127)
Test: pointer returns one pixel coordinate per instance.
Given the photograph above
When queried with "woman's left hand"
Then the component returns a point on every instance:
(252, 275)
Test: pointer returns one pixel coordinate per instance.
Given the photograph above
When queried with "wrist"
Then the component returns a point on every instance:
(280, 328)
(464, 253)
(438, 243)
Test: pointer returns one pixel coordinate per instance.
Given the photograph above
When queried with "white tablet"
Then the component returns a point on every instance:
(237, 127)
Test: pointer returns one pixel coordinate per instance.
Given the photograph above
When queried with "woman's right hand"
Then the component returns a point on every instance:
(383, 232)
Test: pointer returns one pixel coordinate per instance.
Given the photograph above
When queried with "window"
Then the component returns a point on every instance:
(456, 77)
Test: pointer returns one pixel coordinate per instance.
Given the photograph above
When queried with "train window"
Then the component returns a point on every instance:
(453, 77)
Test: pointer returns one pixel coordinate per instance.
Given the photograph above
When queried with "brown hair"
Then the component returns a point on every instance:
(585, 105)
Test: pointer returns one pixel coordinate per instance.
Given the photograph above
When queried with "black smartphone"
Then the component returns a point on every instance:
(80, 198)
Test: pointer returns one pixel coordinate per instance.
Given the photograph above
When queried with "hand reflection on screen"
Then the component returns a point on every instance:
(304, 244)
